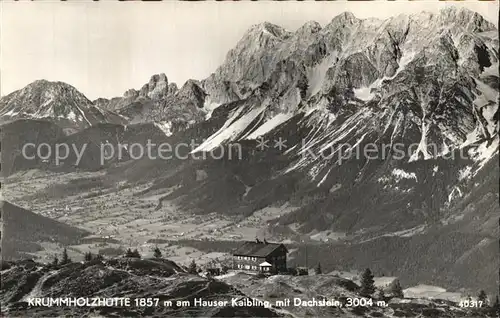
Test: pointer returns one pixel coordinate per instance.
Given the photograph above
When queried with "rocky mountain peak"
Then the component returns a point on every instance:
(452, 18)
(192, 91)
(57, 101)
(344, 19)
(260, 36)
(269, 29)
(156, 88)
(172, 88)
(101, 102)
(45, 88)
(308, 28)
(43, 97)
(463, 17)
(131, 93)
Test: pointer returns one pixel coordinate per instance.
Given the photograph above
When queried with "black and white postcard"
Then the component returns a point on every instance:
(249, 158)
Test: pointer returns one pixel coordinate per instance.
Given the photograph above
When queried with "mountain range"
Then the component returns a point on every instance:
(424, 83)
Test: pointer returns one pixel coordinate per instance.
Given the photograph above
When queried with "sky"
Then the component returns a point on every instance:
(105, 48)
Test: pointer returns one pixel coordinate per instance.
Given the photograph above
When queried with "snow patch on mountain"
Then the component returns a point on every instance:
(491, 70)
(486, 103)
(165, 126)
(408, 232)
(270, 125)
(232, 128)
(209, 106)
(72, 115)
(316, 75)
(422, 146)
(484, 152)
(471, 138)
(11, 113)
(401, 174)
(405, 59)
(83, 115)
(456, 193)
(324, 177)
(465, 173)
(324, 141)
(347, 128)
(365, 93)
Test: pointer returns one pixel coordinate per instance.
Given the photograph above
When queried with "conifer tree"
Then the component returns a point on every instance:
(55, 261)
(482, 296)
(136, 254)
(381, 293)
(65, 258)
(157, 252)
(129, 253)
(367, 283)
(88, 257)
(318, 269)
(396, 289)
(496, 305)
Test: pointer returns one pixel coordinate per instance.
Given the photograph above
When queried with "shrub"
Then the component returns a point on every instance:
(193, 268)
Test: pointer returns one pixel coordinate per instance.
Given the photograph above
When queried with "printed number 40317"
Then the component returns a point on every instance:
(471, 303)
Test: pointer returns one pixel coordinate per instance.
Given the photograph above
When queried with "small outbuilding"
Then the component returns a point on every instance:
(265, 267)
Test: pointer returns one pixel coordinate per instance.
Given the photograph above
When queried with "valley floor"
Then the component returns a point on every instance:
(121, 215)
